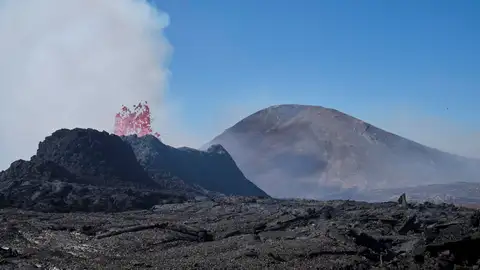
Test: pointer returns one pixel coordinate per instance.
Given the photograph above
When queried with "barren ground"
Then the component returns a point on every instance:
(245, 233)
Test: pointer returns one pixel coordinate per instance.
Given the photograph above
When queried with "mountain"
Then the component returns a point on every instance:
(87, 170)
(213, 169)
(93, 157)
(312, 151)
(81, 170)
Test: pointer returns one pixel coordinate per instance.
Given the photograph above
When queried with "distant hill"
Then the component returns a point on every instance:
(312, 151)
(460, 193)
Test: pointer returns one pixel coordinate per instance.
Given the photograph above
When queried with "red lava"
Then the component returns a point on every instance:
(138, 121)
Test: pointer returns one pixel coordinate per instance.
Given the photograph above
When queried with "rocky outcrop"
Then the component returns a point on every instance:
(47, 187)
(87, 170)
(81, 170)
(94, 157)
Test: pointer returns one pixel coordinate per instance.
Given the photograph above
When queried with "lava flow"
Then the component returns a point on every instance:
(138, 121)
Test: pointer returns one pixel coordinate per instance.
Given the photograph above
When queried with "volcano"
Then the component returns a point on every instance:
(312, 151)
(87, 170)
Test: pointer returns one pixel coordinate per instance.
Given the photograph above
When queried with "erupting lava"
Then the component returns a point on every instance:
(137, 122)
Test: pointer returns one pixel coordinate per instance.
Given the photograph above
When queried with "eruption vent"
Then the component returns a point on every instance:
(138, 122)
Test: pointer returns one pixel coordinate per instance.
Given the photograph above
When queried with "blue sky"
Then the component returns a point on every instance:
(373, 59)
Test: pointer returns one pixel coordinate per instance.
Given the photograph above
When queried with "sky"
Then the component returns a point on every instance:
(411, 67)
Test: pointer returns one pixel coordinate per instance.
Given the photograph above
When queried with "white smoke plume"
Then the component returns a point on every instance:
(73, 63)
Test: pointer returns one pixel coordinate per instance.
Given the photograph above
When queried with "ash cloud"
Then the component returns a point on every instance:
(67, 64)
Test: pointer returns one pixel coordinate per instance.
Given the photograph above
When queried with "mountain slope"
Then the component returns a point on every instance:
(310, 151)
(88, 170)
(81, 170)
(94, 157)
(213, 169)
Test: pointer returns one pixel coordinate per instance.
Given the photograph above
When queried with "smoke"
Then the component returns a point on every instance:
(67, 64)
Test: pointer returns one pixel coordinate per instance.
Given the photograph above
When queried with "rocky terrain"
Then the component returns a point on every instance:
(312, 152)
(88, 170)
(91, 200)
(246, 233)
(48, 187)
(461, 193)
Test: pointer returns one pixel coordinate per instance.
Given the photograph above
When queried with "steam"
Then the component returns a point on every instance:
(67, 64)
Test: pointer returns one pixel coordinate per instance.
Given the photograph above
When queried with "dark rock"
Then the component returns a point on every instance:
(462, 250)
(276, 257)
(430, 234)
(81, 170)
(446, 263)
(251, 253)
(419, 253)
(45, 196)
(41, 169)
(213, 169)
(6, 252)
(96, 158)
(204, 236)
(409, 225)
(475, 219)
(89, 230)
(402, 200)
(231, 233)
(244, 233)
(368, 241)
(328, 212)
(91, 171)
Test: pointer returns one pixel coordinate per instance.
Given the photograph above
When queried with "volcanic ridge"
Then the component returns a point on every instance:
(88, 170)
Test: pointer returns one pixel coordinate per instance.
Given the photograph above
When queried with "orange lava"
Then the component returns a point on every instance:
(138, 121)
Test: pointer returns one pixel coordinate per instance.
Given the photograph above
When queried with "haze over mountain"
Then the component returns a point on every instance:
(312, 151)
